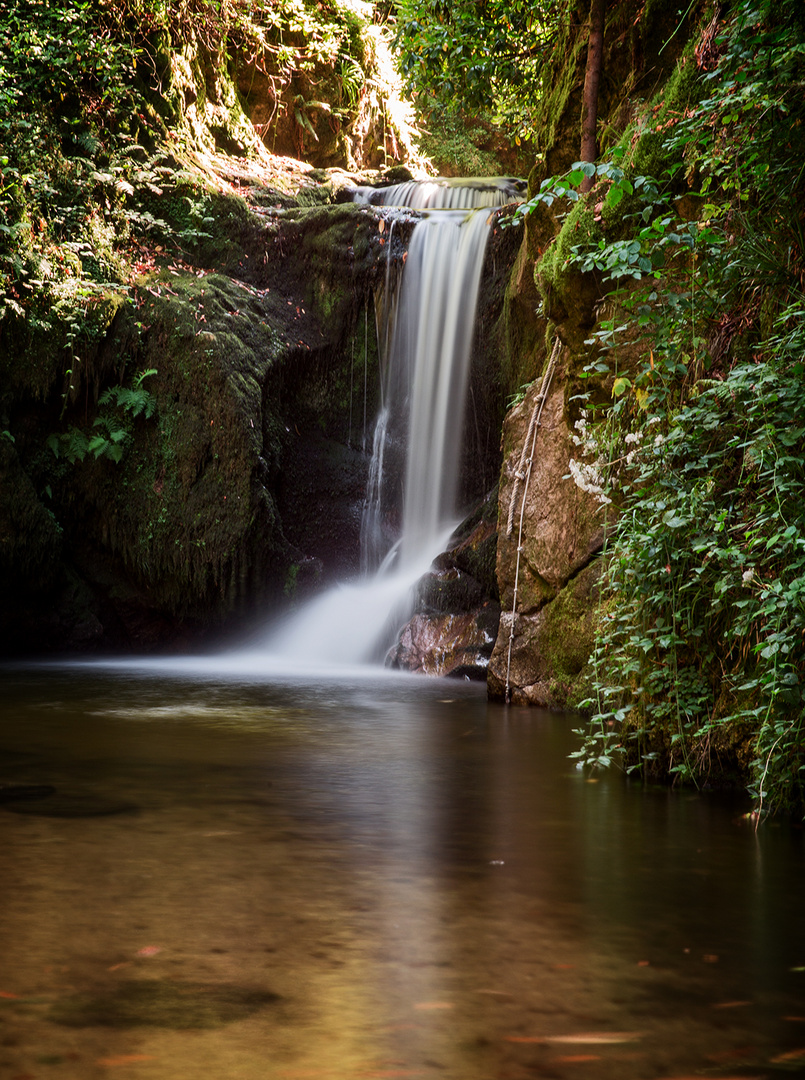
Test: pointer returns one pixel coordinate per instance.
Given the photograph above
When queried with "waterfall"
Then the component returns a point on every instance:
(423, 396)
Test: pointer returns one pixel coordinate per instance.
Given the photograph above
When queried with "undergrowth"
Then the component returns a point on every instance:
(698, 435)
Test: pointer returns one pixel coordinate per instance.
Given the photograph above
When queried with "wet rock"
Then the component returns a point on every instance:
(563, 525)
(456, 610)
(320, 497)
(457, 645)
(550, 648)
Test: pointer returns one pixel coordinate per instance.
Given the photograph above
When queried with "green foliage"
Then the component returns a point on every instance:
(454, 140)
(113, 432)
(618, 185)
(51, 51)
(83, 92)
(702, 444)
(479, 55)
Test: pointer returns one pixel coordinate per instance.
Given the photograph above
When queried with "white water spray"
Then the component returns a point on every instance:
(423, 399)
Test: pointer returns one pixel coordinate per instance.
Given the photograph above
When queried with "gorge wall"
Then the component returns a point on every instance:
(249, 307)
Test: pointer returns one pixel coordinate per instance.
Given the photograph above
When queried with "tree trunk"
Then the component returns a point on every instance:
(592, 77)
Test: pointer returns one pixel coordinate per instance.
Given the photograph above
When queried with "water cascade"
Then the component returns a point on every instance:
(424, 383)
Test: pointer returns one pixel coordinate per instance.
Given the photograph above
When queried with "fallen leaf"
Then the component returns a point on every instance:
(7, 994)
(731, 1004)
(593, 1038)
(434, 1005)
(789, 1055)
(152, 950)
(571, 1059)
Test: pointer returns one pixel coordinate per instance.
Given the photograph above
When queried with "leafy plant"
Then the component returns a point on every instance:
(113, 432)
(700, 658)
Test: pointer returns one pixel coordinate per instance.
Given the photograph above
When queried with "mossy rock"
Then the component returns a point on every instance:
(30, 537)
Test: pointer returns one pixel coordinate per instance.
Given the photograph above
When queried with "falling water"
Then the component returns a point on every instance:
(422, 408)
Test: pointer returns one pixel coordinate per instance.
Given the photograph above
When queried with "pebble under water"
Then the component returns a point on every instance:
(245, 878)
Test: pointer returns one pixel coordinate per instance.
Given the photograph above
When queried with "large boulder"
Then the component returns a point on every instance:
(552, 557)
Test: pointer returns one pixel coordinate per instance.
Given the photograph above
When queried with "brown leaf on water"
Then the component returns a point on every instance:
(381, 225)
(434, 1005)
(573, 1059)
(593, 1038)
(7, 995)
(731, 1004)
(789, 1055)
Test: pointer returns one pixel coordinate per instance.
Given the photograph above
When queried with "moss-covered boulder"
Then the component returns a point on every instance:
(544, 658)
(146, 488)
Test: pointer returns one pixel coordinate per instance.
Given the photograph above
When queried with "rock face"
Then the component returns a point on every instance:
(456, 610)
(563, 531)
(456, 645)
(187, 531)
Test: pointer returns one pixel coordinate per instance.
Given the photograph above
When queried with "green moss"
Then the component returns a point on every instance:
(647, 154)
(555, 139)
(568, 296)
(567, 637)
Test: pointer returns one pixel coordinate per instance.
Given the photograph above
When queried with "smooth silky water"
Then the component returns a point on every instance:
(426, 337)
(242, 878)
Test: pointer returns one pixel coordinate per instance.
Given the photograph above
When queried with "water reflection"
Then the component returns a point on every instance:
(273, 878)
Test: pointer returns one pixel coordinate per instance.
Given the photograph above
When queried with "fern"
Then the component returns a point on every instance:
(134, 400)
(114, 436)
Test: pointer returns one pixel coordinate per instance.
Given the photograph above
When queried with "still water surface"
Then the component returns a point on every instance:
(259, 879)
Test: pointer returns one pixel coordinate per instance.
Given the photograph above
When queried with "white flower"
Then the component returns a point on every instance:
(659, 440)
(747, 576)
(587, 478)
(634, 437)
